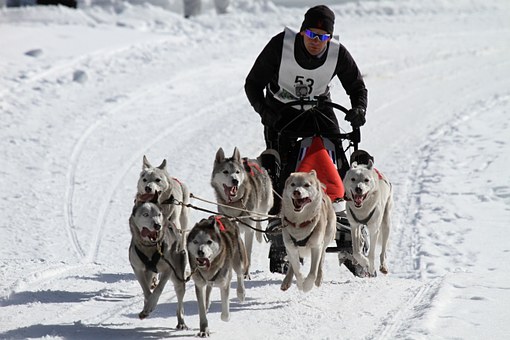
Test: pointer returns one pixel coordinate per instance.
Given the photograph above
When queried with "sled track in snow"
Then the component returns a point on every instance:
(417, 303)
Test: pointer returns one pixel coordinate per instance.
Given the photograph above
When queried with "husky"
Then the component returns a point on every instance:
(309, 225)
(154, 179)
(215, 249)
(242, 187)
(369, 201)
(153, 251)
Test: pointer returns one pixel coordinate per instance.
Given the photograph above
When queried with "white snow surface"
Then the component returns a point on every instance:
(85, 93)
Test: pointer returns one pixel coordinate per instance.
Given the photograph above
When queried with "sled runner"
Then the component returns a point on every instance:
(323, 153)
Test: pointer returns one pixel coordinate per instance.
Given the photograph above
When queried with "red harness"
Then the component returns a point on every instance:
(249, 166)
(221, 226)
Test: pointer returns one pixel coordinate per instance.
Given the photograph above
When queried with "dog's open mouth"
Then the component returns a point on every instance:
(203, 262)
(299, 203)
(358, 199)
(151, 235)
(230, 192)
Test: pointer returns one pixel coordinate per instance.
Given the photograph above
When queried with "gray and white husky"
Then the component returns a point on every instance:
(156, 179)
(369, 201)
(153, 251)
(243, 184)
(215, 249)
(309, 225)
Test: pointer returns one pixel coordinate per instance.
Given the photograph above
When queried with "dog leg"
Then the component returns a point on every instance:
(238, 268)
(314, 267)
(248, 242)
(225, 303)
(385, 235)
(180, 289)
(152, 300)
(208, 297)
(318, 279)
(293, 256)
(356, 237)
(374, 235)
(287, 281)
(258, 234)
(204, 325)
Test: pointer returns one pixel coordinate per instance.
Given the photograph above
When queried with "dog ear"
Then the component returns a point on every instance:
(162, 166)
(313, 173)
(146, 165)
(236, 155)
(220, 155)
(354, 165)
(370, 164)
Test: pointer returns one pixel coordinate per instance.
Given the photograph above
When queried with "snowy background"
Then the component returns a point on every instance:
(85, 93)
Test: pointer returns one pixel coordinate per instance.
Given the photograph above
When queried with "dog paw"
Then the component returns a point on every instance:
(383, 269)
(203, 334)
(181, 326)
(285, 286)
(142, 315)
(225, 316)
(308, 284)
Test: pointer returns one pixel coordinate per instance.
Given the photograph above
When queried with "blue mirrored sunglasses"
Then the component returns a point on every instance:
(313, 35)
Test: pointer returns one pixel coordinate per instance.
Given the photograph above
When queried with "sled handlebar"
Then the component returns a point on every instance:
(320, 102)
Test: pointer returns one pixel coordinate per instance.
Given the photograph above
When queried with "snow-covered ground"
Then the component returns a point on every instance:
(85, 93)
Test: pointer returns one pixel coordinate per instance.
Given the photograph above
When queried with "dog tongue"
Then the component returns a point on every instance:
(145, 197)
(153, 235)
(230, 191)
(358, 199)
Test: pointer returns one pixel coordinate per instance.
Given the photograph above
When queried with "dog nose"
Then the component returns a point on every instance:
(235, 182)
(200, 253)
(148, 189)
(358, 190)
(157, 226)
(297, 193)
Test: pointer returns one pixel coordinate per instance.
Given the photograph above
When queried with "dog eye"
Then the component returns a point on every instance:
(145, 214)
(292, 184)
(225, 172)
(158, 180)
(238, 172)
(145, 180)
(195, 242)
(307, 185)
(353, 179)
(209, 242)
(367, 180)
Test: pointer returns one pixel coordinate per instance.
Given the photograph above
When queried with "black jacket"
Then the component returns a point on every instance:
(266, 67)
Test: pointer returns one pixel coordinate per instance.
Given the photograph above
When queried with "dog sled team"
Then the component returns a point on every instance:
(301, 194)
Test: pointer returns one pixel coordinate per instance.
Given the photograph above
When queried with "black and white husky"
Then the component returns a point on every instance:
(242, 187)
(153, 251)
(215, 250)
(156, 179)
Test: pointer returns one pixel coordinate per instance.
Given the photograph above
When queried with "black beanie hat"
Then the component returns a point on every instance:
(319, 17)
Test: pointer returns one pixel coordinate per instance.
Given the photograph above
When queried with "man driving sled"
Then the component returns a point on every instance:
(297, 65)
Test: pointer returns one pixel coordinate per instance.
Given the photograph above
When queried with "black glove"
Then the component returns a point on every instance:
(356, 116)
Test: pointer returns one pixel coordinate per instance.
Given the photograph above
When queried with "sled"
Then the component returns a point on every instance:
(287, 161)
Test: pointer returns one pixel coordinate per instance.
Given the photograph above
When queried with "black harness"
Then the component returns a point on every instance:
(151, 264)
(363, 221)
